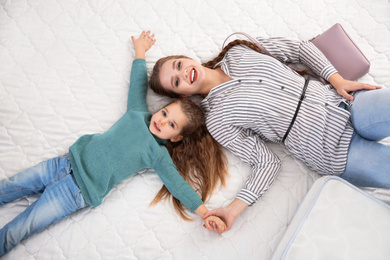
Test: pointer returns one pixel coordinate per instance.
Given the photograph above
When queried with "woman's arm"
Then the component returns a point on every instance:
(297, 51)
(305, 52)
(344, 86)
(252, 150)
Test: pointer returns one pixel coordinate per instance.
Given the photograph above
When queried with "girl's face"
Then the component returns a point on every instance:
(168, 123)
(182, 76)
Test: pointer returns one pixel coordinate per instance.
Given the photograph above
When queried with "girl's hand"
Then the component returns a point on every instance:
(215, 223)
(344, 86)
(228, 214)
(142, 44)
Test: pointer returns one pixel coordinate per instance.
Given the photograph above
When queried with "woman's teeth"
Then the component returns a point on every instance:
(192, 75)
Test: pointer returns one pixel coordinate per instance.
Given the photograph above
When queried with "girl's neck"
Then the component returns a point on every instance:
(214, 77)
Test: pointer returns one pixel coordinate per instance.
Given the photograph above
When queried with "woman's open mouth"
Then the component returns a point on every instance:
(194, 75)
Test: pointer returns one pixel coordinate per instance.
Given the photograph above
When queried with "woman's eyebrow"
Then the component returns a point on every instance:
(173, 68)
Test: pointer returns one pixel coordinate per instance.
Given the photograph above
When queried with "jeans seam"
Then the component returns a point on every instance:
(4, 193)
(58, 177)
(364, 129)
(34, 189)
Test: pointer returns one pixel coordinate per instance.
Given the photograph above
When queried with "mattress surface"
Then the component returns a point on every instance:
(337, 221)
(64, 72)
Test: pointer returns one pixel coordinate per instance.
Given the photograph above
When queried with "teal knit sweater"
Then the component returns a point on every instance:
(100, 161)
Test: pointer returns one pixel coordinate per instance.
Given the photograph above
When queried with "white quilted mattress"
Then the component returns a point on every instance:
(64, 72)
(337, 221)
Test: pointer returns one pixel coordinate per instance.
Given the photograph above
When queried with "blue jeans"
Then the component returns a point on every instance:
(368, 162)
(60, 197)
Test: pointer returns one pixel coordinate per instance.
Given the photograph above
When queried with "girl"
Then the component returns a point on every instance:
(96, 163)
(251, 98)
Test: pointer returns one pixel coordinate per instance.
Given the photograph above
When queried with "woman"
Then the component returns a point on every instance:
(251, 98)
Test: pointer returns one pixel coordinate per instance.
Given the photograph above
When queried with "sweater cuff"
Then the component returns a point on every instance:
(196, 206)
(247, 196)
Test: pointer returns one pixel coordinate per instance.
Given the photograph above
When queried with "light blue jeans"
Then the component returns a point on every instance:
(368, 162)
(60, 197)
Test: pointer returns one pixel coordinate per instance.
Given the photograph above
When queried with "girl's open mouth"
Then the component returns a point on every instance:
(156, 126)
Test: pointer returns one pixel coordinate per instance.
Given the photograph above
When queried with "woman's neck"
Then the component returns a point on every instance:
(214, 77)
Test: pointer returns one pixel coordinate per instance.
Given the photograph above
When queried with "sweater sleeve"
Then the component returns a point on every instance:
(176, 184)
(138, 86)
(296, 51)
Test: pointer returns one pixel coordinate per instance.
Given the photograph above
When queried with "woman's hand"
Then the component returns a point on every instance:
(142, 44)
(227, 214)
(215, 223)
(344, 86)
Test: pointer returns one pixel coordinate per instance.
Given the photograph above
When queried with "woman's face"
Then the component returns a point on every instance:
(182, 76)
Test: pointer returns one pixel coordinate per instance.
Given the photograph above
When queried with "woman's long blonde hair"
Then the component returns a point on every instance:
(198, 158)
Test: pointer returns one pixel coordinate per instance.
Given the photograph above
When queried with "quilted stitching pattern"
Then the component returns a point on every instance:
(64, 72)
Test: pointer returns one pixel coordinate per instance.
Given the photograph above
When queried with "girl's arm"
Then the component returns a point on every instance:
(181, 190)
(138, 78)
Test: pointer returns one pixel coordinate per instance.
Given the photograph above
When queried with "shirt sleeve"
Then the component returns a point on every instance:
(264, 163)
(176, 184)
(296, 51)
(136, 100)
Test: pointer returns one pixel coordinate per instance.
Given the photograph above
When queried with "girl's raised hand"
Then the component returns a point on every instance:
(143, 44)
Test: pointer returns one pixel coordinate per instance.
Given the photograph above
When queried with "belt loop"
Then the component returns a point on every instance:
(297, 109)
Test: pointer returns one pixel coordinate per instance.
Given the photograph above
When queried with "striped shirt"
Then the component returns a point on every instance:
(258, 104)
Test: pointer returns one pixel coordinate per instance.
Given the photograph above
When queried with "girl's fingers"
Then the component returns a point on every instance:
(147, 34)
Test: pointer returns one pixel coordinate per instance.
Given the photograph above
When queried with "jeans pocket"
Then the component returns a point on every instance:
(64, 167)
(79, 199)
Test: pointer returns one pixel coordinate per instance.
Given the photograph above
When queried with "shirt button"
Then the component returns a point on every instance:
(239, 80)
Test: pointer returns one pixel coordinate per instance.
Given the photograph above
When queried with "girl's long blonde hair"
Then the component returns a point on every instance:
(198, 158)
